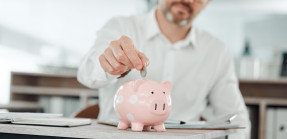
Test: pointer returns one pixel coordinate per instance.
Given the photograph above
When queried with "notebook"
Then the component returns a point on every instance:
(63, 122)
(190, 125)
(44, 119)
(8, 116)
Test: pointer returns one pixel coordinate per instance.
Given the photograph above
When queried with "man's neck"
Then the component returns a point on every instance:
(172, 31)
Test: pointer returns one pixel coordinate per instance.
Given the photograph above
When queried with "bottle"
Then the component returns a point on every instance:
(249, 66)
(246, 51)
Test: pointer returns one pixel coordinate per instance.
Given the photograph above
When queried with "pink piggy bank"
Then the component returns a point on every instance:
(143, 103)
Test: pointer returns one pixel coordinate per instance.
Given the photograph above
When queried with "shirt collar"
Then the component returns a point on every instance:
(152, 29)
(189, 41)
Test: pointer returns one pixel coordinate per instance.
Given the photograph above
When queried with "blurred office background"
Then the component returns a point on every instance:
(49, 37)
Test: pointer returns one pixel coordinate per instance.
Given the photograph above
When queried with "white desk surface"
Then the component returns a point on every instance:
(104, 131)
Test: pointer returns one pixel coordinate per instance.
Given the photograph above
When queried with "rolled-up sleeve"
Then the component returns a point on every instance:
(226, 98)
(90, 72)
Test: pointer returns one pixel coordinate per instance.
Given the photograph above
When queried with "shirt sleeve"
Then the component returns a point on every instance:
(225, 96)
(90, 72)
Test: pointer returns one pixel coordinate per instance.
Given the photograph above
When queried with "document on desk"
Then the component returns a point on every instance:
(64, 122)
(8, 117)
(189, 125)
(44, 119)
(203, 126)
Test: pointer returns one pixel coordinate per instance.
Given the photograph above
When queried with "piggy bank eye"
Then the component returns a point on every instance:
(151, 92)
(163, 92)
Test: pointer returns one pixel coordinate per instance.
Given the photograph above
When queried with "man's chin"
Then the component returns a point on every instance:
(179, 22)
(183, 23)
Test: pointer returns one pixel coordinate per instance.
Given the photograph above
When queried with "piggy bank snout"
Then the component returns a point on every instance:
(159, 106)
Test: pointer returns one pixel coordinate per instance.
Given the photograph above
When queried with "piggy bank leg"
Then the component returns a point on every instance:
(159, 127)
(147, 128)
(123, 125)
(137, 126)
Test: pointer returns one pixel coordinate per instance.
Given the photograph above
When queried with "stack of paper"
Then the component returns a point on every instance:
(46, 119)
(188, 125)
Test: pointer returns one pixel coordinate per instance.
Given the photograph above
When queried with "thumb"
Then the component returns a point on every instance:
(143, 58)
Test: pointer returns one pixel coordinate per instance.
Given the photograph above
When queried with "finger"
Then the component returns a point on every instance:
(131, 52)
(144, 59)
(106, 65)
(119, 54)
(113, 62)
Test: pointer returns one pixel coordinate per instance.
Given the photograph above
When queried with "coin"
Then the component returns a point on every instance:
(143, 72)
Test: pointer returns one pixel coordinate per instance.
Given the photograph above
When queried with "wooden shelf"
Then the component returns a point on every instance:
(267, 101)
(53, 91)
(263, 93)
(29, 86)
(264, 81)
(50, 72)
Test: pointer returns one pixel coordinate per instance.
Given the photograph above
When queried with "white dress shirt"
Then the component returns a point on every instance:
(200, 68)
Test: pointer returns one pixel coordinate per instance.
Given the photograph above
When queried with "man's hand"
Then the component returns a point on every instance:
(121, 56)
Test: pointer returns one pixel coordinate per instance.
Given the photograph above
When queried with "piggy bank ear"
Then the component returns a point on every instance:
(137, 84)
(168, 85)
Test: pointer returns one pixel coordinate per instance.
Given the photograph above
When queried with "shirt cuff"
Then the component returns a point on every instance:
(110, 76)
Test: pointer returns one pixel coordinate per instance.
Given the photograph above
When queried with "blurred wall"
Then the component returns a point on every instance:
(52, 32)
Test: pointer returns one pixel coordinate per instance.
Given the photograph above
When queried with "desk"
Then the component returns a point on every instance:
(102, 131)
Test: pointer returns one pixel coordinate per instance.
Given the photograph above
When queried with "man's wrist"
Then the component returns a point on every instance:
(110, 76)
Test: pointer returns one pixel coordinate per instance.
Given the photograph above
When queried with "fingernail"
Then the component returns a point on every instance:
(146, 63)
(139, 67)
